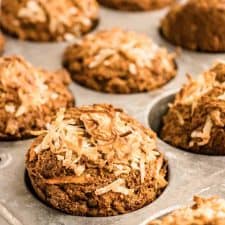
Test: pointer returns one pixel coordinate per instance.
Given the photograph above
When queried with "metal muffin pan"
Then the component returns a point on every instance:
(189, 174)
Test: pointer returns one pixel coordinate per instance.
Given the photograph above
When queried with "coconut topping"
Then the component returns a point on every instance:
(59, 14)
(204, 136)
(138, 49)
(116, 186)
(107, 138)
(195, 89)
(29, 83)
(191, 95)
(32, 11)
(204, 211)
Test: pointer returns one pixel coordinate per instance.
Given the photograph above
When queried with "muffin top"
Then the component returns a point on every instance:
(198, 113)
(48, 20)
(107, 138)
(25, 91)
(205, 19)
(119, 61)
(205, 211)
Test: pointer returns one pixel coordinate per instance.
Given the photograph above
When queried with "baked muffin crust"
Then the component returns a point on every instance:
(205, 211)
(136, 5)
(195, 120)
(205, 20)
(118, 61)
(96, 161)
(29, 97)
(48, 20)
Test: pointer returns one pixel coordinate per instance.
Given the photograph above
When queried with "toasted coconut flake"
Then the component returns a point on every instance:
(38, 132)
(69, 37)
(121, 169)
(132, 68)
(204, 135)
(102, 55)
(118, 186)
(179, 117)
(32, 11)
(221, 97)
(10, 108)
(216, 118)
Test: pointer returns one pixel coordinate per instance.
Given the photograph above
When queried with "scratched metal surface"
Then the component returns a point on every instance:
(189, 173)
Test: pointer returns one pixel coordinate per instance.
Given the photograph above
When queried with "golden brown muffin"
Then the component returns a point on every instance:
(196, 25)
(196, 119)
(2, 43)
(48, 20)
(205, 211)
(118, 61)
(136, 5)
(29, 97)
(96, 161)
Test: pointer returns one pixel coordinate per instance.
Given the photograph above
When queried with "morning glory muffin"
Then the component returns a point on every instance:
(196, 25)
(136, 5)
(204, 211)
(29, 97)
(48, 20)
(196, 118)
(96, 161)
(119, 61)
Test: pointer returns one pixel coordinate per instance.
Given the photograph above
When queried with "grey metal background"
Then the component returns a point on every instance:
(189, 173)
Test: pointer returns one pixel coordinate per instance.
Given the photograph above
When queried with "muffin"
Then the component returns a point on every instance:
(48, 20)
(136, 5)
(205, 211)
(29, 97)
(2, 43)
(96, 161)
(118, 61)
(195, 120)
(205, 20)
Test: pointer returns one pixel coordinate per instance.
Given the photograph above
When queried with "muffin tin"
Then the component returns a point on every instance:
(189, 174)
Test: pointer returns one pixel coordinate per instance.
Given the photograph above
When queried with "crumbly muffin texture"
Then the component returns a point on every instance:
(48, 20)
(96, 161)
(136, 5)
(205, 20)
(29, 97)
(118, 61)
(205, 211)
(196, 119)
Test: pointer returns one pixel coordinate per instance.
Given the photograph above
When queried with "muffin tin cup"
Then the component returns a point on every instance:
(189, 174)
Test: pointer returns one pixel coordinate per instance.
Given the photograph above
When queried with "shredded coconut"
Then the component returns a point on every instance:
(139, 51)
(29, 83)
(116, 186)
(32, 11)
(204, 135)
